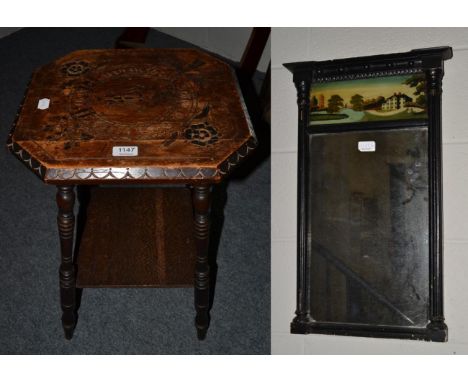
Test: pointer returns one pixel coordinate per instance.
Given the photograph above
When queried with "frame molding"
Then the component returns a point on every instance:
(430, 62)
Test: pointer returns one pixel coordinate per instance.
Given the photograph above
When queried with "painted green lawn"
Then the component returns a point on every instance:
(395, 117)
(327, 117)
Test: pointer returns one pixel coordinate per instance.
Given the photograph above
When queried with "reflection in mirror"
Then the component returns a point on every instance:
(368, 227)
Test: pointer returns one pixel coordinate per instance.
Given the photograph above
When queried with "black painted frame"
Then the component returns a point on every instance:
(429, 61)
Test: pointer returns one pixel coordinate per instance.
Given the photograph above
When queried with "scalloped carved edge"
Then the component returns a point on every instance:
(25, 157)
(128, 173)
(17, 150)
(54, 175)
(243, 105)
(236, 158)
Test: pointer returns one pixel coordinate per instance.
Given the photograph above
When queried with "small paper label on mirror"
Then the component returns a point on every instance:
(43, 103)
(125, 151)
(366, 146)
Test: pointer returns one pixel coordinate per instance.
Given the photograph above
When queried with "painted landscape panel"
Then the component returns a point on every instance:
(373, 99)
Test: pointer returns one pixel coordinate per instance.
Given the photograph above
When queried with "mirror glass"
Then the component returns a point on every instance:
(369, 226)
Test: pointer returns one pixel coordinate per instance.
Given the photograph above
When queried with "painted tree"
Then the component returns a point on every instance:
(419, 83)
(357, 101)
(421, 100)
(334, 103)
(314, 102)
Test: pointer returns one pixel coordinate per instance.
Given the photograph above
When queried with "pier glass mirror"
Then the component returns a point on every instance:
(370, 196)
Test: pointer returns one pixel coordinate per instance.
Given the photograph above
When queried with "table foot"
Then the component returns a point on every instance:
(201, 204)
(201, 334)
(68, 332)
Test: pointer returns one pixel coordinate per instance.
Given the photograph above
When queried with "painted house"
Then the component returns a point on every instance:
(396, 101)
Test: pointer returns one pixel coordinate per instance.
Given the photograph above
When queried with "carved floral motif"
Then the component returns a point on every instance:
(75, 68)
(201, 134)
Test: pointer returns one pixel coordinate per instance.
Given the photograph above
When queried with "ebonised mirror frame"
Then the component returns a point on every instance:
(428, 64)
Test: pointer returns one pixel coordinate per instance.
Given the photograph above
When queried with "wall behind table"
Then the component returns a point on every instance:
(302, 44)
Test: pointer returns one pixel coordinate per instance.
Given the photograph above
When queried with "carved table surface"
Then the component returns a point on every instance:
(182, 108)
(181, 115)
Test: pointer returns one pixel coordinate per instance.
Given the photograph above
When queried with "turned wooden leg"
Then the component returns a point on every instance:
(201, 196)
(66, 225)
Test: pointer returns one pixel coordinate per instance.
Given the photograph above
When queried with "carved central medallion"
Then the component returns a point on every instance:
(146, 96)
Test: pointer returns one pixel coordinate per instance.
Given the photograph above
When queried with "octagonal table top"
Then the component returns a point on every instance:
(137, 115)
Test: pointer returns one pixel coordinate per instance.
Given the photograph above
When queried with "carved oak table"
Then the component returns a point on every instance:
(133, 117)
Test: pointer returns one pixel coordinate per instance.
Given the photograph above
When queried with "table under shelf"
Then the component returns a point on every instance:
(137, 237)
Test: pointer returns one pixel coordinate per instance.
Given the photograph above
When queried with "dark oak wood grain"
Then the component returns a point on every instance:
(66, 227)
(201, 209)
(133, 37)
(137, 237)
(254, 50)
(182, 108)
